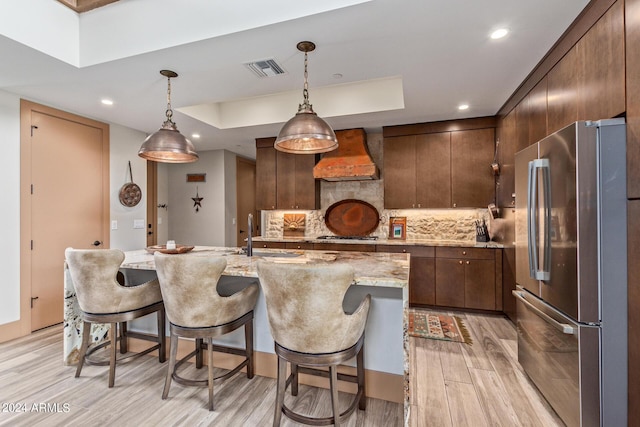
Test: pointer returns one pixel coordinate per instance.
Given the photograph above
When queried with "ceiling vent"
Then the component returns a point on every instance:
(265, 68)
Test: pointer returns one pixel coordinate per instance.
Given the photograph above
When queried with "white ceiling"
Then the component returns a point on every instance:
(439, 51)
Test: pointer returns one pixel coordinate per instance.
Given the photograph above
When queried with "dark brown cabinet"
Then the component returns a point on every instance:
(472, 181)
(422, 289)
(265, 174)
(284, 180)
(355, 247)
(439, 170)
(417, 171)
(298, 245)
(269, 245)
(466, 278)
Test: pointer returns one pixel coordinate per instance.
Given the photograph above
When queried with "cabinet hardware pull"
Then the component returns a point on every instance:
(464, 252)
(460, 262)
(467, 262)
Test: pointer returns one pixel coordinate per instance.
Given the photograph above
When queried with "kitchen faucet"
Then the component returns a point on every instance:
(249, 237)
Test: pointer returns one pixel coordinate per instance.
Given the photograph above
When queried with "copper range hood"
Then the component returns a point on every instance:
(351, 161)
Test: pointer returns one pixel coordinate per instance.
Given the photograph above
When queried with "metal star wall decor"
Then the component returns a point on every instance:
(197, 201)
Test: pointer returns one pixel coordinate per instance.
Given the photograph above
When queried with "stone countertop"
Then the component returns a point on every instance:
(398, 242)
(371, 268)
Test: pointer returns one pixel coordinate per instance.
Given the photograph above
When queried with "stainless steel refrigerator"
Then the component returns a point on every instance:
(571, 270)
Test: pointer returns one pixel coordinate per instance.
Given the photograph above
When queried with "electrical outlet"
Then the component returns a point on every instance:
(159, 220)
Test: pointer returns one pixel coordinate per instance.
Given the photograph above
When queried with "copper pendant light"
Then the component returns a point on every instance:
(306, 133)
(167, 145)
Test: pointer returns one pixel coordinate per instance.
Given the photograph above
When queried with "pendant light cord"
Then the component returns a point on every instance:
(169, 111)
(305, 106)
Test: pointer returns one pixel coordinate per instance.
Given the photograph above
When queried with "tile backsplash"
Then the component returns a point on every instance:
(431, 224)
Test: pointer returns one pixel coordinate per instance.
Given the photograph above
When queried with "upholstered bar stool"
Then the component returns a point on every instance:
(195, 309)
(311, 330)
(102, 299)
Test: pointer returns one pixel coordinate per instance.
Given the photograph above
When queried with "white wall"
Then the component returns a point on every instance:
(230, 200)
(124, 146)
(211, 224)
(10, 212)
(163, 199)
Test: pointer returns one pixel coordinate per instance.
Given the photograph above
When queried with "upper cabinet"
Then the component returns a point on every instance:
(472, 180)
(417, 171)
(283, 180)
(439, 168)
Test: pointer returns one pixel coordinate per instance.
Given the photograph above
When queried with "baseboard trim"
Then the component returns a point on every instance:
(379, 385)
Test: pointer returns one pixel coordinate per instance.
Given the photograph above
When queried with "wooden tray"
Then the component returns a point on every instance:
(180, 249)
(352, 217)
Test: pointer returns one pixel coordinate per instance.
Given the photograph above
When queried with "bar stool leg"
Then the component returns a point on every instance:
(198, 353)
(172, 364)
(86, 332)
(162, 335)
(280, 388)
(113, 336)
(248, 343)
(210, 370)
(333, 385)
(362, 403)
(294, 379)
(123, 338)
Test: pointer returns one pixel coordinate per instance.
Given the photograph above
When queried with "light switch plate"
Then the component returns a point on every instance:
(114, 224)
(138, 223)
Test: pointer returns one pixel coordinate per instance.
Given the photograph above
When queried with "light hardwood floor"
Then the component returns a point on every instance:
(451, 384)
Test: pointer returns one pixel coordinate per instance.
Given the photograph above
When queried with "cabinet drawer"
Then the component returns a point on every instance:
(271, 245)
(361, 247)
(418, 251)
(298, 245)
(465, 253)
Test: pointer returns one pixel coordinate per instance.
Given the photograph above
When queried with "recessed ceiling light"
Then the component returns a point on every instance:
(195, 135)
(107, 101)
(499, 33)
(337, 76)
(463, 107)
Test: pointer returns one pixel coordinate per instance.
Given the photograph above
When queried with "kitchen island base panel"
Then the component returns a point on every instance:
(384, 329)
(380, 385)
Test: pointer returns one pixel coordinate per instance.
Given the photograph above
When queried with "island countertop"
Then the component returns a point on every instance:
(371, 268)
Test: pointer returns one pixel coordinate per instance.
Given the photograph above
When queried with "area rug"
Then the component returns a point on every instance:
(438, 327)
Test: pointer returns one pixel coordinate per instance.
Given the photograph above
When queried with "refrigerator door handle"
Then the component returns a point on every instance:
(565, 328)
(532, 219)
(532, 229)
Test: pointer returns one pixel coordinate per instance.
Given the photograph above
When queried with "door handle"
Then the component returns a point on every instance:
(532, 219)
(97, 243)
(150, 233)
(241, 231)
(565, 328)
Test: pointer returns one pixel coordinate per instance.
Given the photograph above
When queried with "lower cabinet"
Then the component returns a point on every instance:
(269, 245)
(466, 278)
(299, 245)
(422, 288)
(355, 247)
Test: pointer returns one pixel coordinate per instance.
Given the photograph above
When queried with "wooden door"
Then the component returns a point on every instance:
(307, 188)
(472, 181)
(285, 180)
(69, 203)
(265, 174)
(450, 282)
(399, 172)
(433, 170)
(245, 199)
(479, 286)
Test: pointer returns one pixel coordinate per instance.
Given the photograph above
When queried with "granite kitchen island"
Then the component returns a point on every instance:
(383, 275)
